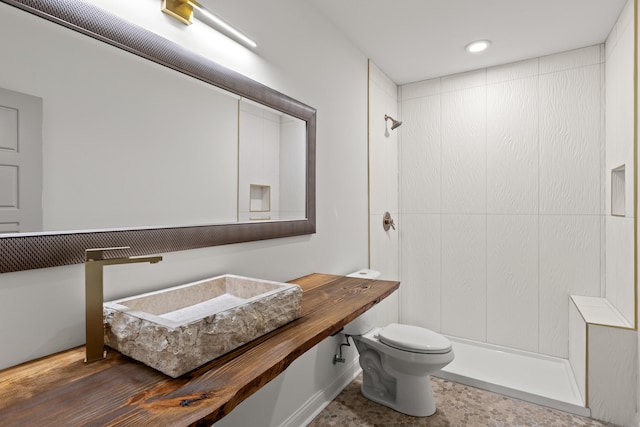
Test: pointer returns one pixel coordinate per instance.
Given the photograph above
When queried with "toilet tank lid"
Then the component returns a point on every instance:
(365, 273)
(414, 338)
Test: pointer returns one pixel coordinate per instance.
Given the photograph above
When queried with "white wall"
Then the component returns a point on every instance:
(383, 186)
(501, 199)
(637, 183)
(300, 55)
(620, 287)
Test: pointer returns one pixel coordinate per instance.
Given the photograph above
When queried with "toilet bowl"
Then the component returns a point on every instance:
(397, 361)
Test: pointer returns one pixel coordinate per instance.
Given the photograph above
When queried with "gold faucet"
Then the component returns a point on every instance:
(94, 297)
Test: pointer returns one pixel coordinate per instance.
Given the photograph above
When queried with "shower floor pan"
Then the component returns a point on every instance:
(532, 377)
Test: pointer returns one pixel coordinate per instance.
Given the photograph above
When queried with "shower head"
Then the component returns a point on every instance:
(394, 123)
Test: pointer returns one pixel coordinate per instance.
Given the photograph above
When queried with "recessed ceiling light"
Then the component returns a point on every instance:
(477, 46)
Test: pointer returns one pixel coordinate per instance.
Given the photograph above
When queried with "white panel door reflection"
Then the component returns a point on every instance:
(20, 162)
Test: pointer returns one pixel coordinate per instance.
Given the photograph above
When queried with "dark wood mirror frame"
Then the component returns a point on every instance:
(41, 250)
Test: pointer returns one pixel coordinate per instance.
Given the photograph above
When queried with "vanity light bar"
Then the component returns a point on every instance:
(226, 27)
(182, 10)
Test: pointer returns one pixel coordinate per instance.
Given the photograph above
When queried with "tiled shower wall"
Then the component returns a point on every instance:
(619, 100)
(259, 160)
(272, 153)
(502, 199)
(383, 186)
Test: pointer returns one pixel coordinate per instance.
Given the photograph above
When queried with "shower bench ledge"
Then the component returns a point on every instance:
(599, 311)
(62, 390)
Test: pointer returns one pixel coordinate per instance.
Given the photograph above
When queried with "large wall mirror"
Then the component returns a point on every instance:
(143, 143)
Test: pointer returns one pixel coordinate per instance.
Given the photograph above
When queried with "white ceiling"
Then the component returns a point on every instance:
(413, 40)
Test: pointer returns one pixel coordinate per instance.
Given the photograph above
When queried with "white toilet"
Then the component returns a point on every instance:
(397, 361)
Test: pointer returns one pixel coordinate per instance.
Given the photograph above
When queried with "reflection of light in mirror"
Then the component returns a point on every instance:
(219, 23)
(201, 39)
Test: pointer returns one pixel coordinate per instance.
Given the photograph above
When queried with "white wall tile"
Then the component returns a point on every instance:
(512, 281)
(464, 151)
(619, 112)
(570, 142)
(521, 172)
(619, 265)
(383, 186)
(610, 43)
(603, 138)
(384, 252)
(512, 147)
(614, 156)
(464, 288)
(513, 71)
(613, 371)
(387, 310)
(624, 24)
(569, 265)
(619, 131)
(384, 247)
(251, 153)
(462, 81)
(599, 310)
(271, 162)
(380, 80)
(420, 257)
(571, 59)
(626, 18)
(420, 155)
(578, 349)
(383, 153)
(603, 255)
(420, 89)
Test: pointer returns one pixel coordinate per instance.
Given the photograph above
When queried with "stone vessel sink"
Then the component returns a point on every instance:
(177, 329)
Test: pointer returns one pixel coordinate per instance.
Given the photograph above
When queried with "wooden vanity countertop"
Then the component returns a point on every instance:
(62, 390)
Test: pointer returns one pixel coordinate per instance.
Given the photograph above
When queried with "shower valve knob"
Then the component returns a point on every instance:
(387, 222)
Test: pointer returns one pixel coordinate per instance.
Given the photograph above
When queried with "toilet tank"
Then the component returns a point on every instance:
(367, 320)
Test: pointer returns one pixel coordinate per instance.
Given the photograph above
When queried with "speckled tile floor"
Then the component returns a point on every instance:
(457, 406)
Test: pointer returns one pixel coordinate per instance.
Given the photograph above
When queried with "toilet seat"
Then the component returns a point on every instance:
(414, 339)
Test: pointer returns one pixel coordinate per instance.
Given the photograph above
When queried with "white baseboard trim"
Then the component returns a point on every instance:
(316, 403)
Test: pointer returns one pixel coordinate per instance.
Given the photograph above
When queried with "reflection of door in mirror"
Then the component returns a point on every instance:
(20, 162)
(271, 181)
